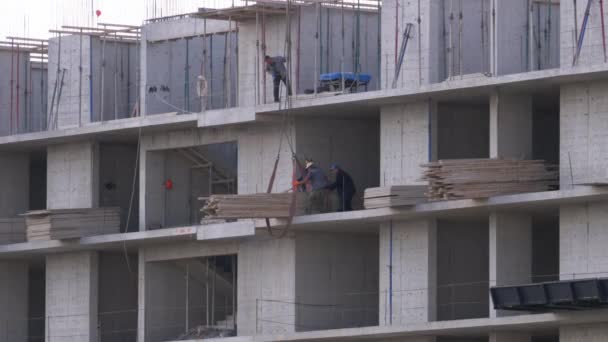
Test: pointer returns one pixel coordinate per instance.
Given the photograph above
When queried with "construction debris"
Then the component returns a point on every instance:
(202, 332)
(394, 196)
(58, 224)
(481, 178)
(12, 230)
(252, 206)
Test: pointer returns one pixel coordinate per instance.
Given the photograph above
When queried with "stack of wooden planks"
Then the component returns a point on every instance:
(252, 206)
(394, 196)
(481, 178)
(12, 230)
(58, 224)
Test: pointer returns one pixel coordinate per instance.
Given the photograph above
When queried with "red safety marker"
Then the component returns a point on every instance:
(98, 13)
(168, 184)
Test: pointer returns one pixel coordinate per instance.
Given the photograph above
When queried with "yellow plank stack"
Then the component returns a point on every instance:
(252, 206)
(394, 196)
(58, 224)
(481, 178)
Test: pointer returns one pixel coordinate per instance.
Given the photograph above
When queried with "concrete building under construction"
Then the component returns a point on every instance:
(152, 120)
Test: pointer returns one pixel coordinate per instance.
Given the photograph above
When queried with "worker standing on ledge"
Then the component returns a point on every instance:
(344, 186)
(276, 67)
(316, 183)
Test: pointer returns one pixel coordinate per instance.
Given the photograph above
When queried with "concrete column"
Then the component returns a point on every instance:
(143, 71)
(583, 333)
(266, 293)
(510, 337)
(14, 182)
(510, 251)
(71, 297)
(583, 138)
(406, 141)
(510, 126)
(14, 301)
(582, 240)
(72, 175)
(408, 293)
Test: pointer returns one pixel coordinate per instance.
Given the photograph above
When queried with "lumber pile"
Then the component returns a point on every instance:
(481, 178)
(12, 230)
(252, 206)
(58, 224)
(394, 196)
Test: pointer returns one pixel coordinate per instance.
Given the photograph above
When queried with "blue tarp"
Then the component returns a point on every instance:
(348, 76)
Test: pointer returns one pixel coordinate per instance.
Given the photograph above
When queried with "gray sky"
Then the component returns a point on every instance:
(33, 18)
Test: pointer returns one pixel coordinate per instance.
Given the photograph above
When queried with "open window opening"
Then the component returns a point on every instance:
(118, 293)
(336, 281)
(119, 182)
(352, 144)
(462, 268)
(36, 301)
(545, 247)
(462, 129)
(177, 178)
(545, 126)
(188, 299)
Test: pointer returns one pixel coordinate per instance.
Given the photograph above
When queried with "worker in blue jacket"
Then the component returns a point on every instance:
(344, 186)
(276, 67)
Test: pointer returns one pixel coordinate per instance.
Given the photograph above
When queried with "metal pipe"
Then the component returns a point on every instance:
(451, 36)
(419, 46)
(257, 59)
(603, 28)
(316, 71)
(234, 288)
(12, 86)
(115, 79)
(390, 273)
(103, 77)
(207, 292)
(187, 296)
(213, 290)
(80, 82)
(460, 18)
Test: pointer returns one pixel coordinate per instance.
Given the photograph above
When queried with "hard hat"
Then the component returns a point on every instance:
(309, 164)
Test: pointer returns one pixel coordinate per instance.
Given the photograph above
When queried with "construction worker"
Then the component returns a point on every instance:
(276, 67)
(316, 183)
(344, 186)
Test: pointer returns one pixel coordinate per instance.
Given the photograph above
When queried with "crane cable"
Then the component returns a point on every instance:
(295, 162)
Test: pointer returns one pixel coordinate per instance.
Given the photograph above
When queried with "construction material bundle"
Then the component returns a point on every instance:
(57, 224)
(252, 206)
(12, 230)
(480, 178)
(394, 196)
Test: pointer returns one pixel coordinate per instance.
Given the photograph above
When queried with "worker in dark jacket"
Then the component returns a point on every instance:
(316, 182)
(344, 186)
(276, 67)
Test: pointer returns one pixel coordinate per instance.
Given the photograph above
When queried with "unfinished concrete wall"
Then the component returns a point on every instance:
(408, 272)
(117, 308)
(462, 269)
(14, 199)
(36, 120)
(423, 62)
(591, 52)
(72, 297)
(99, 80)
(353, 144)
(462, 130)
(583, 139)
(70, 103)
(582, 240)
(583, 332)
(118, 182)
(307, 52)
(113, 80)
(72, 175)
(511, 126)
(14, 295)
(257, 151)
(336, 281)
(405, 142)
(14, 65)
(511, 256)
(266, 294)
(173, 67)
